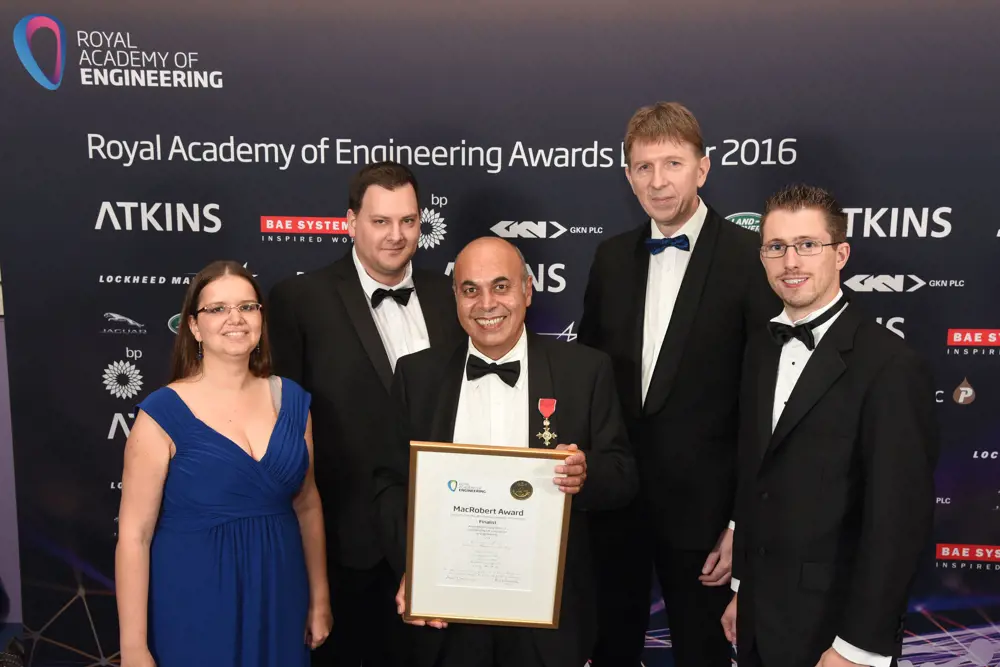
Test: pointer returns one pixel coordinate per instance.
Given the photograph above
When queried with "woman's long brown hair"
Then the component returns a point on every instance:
(185, 362)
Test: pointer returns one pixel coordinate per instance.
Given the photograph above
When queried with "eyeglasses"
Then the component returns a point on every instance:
(223, 309)
(804, 248)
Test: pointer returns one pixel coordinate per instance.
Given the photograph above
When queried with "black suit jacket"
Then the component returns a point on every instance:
(685, 434)
(835, 507)
(324, 337)
(428, 384)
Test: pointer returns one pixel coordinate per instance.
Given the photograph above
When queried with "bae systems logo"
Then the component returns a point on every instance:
(24, 31)
(973, 342)
(746, 220)
(895, 283)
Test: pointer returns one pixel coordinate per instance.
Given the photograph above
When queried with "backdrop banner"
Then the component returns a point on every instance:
(142, 141)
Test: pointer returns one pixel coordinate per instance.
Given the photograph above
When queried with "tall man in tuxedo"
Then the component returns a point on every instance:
(837, 456)
(487, 391)
(339, 332)
(672, 302)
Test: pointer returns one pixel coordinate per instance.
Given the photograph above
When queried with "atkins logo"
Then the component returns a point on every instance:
(24, 32)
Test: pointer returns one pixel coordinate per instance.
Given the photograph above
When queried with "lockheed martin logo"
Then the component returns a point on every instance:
(866, 283)
(526, 229)
(566, 334)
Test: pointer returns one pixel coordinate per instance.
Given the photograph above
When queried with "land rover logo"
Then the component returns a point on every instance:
(521, 490)
(746, 220)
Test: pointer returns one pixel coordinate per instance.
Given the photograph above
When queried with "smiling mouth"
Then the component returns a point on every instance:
(793, 282)
(236, 334)
(490, 322)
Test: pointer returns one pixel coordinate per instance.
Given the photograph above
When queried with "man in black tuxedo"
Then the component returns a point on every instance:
(836, 491)
(672, 302)
(479, 392)
(339, 332)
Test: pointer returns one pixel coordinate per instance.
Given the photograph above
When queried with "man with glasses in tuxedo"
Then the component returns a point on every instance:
(838, 444)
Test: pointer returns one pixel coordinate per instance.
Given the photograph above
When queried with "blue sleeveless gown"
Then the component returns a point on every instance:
(227, 577)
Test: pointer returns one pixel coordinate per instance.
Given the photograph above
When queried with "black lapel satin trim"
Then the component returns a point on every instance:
(436, 310)
(688, 300)
(825, 366)
(767, 380)
(640, 274)
(443, 426)
(356, 304)
(540, 386)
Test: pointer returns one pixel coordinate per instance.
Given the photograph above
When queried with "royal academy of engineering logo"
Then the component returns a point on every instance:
(24, 32)
(456, 486)
(746, 220)
(107, 58)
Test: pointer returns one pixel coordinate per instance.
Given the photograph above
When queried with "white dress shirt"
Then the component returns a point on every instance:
(794, 357)
(666, 271)
(490, 412)
(401, 328)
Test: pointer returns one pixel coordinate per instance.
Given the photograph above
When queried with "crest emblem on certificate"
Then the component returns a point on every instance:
(521, 490)
(452, 484)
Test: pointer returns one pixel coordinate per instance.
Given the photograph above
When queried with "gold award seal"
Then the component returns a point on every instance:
(521, 490)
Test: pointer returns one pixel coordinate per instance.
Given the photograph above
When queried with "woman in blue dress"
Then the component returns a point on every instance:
(221, 551)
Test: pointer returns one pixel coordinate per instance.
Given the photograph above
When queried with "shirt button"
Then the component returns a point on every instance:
(761, 551)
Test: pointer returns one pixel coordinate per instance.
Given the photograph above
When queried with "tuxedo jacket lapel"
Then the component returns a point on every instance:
(436, 310)
(639, 277)
(539, 386)
(356, 304)
(443, 426)
(767, 379)
(685, 309)
(825, 365)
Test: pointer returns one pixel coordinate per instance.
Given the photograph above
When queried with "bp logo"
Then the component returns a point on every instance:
(452, 485)
(174, 323)
(746, 220)
(432, 229)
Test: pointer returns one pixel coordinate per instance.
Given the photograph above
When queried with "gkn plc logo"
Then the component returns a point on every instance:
(24, 31)
(895, 283)
(538, 229)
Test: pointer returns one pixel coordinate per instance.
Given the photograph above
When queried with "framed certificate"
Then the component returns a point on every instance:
(486, 535)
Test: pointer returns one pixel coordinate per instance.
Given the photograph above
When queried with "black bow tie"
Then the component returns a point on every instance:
(782, 333)
(509, 372)
(400, 295)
